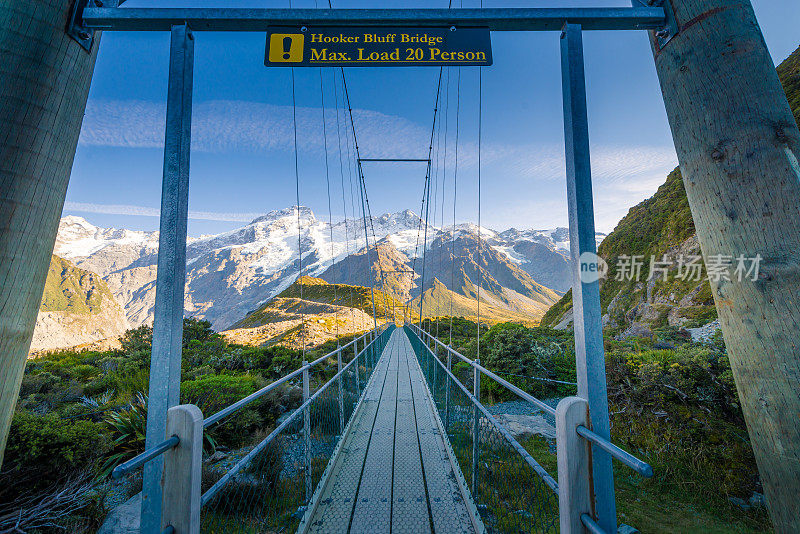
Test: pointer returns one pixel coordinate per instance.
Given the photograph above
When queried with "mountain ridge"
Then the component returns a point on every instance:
(662, 225)
(232, 273)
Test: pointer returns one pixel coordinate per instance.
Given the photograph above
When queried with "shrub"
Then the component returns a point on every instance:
(199, 330)
(128, 428)
(42, 382)
(211, 393)
(51, 447)
(137, 339)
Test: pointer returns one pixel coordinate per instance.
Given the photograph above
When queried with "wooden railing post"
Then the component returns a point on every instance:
(180, 505)
(574, 485)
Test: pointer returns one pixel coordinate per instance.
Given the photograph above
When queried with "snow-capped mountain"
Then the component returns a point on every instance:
(232, 273)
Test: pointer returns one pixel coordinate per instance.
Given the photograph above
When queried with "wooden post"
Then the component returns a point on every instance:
(182, 470)
(739, 147)
(45, 82)
(574, 486)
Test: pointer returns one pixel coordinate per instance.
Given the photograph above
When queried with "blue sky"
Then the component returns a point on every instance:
(243, 151)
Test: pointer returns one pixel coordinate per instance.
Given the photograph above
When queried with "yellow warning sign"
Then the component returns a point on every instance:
(286, 47)
(290, 46)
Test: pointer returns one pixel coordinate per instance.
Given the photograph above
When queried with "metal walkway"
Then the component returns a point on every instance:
(394, 471)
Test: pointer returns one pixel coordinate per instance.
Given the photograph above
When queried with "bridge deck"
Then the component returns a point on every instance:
(393, 472)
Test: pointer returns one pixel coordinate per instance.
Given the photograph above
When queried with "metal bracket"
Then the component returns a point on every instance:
(75, 28)
(670, 29)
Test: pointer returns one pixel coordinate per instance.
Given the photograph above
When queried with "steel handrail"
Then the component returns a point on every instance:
(151, 453)
(225, 412)
(508, 385)
(624, 457)
(591, 525)
(137, 461)
(213, 490)
(549, 480)
(641, 467)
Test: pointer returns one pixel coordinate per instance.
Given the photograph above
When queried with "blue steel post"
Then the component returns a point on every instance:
(590, 358)
(165, 360)
(447, 393)
(476, 429)
(307, 431)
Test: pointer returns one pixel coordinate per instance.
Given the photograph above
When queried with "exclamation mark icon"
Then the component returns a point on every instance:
(286, 48)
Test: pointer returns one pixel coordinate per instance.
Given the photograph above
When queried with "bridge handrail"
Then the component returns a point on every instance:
(624, 457)
(525, 396)
(213, 490)
(139, 460)
(549, 480)
(225, 412)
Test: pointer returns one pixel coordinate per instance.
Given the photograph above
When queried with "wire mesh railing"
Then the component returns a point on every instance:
(512, 491)
(264, 484)
(266, 487)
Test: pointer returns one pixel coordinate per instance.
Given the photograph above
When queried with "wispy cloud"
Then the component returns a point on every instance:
(239, 126)
(142, 211)
(622, 174)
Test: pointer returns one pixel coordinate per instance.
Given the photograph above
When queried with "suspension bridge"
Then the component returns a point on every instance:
(390, 436)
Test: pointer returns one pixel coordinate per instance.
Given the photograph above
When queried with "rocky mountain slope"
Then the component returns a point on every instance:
(310, 312)
(77, 308)
(662, 225)
(233, 273)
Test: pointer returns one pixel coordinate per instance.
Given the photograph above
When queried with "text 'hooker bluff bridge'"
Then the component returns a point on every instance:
(389, 439)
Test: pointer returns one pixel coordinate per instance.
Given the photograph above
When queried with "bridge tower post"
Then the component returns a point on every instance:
(738, 146)
(589, 352)
(45, 83)
(165, 358)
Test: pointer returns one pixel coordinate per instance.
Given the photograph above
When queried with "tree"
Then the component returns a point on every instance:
(738, 147)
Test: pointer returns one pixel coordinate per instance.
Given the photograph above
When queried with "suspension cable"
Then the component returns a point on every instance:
(455, 197)
(341, 176)
(330, 210)
(480, 251)
(426, 197)
(365, 207)
(299, 229)
(444, 184)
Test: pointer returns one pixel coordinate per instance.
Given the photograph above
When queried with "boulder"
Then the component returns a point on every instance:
(124, 519)
(526, 426)
(634, 330)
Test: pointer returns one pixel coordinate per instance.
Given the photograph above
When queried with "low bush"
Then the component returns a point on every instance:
(48, 447)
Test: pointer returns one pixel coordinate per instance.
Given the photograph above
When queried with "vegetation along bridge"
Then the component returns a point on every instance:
(392, 442)
(389, 439)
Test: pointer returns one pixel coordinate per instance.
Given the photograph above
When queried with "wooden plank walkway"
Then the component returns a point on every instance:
(393, 472)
